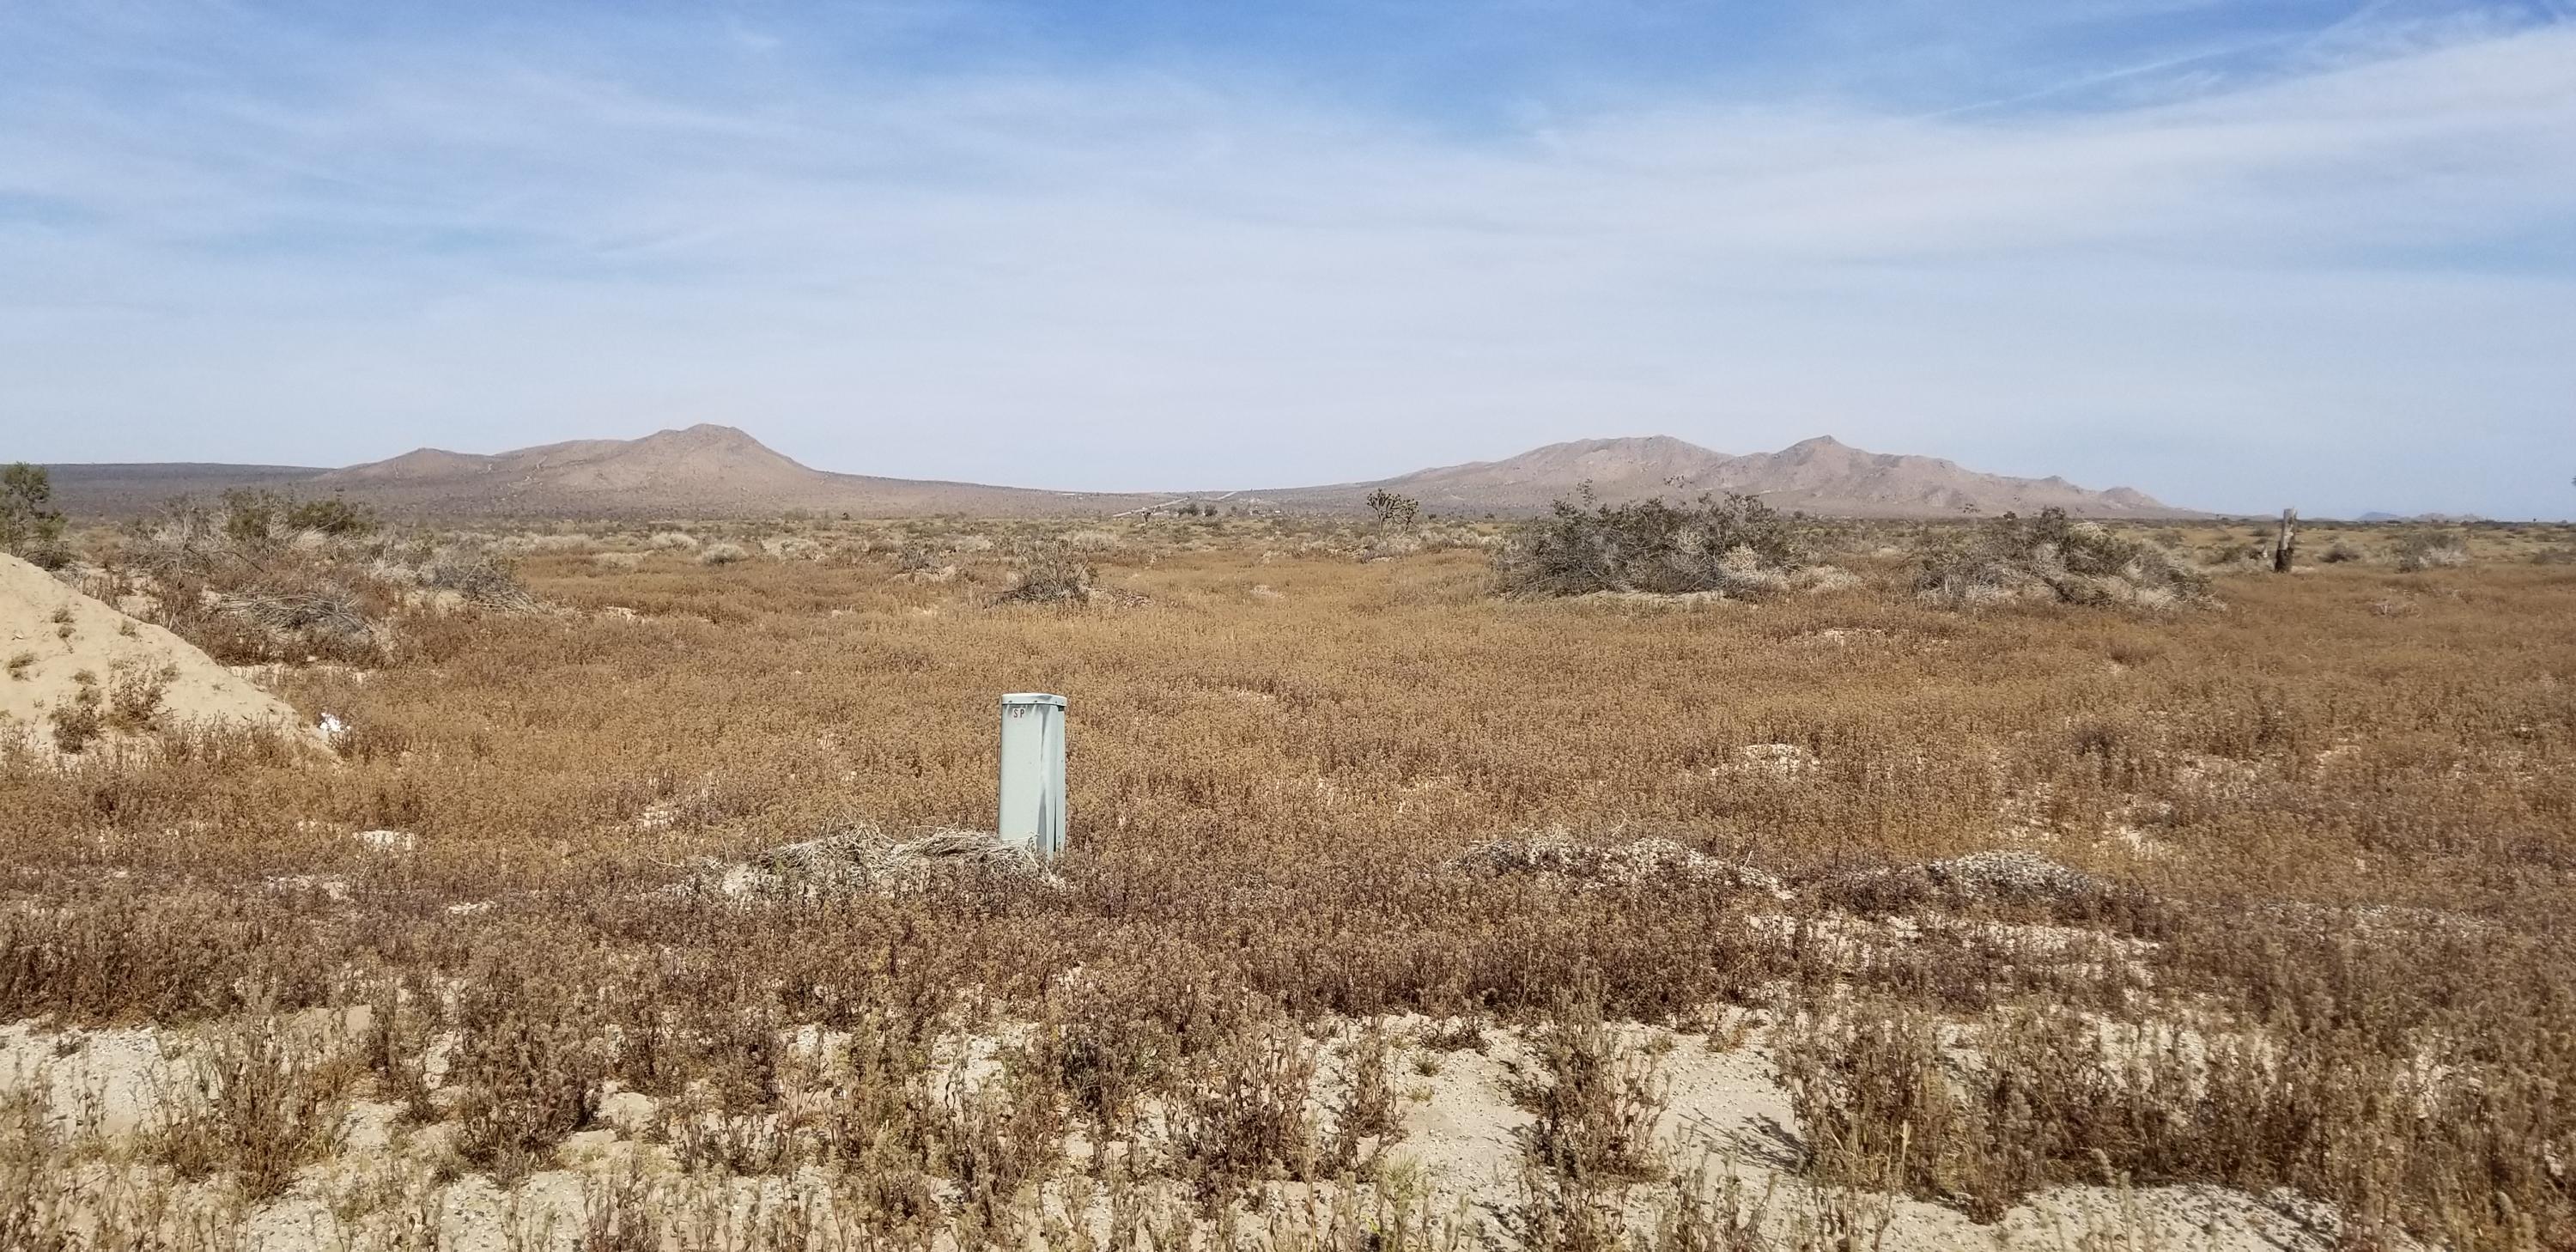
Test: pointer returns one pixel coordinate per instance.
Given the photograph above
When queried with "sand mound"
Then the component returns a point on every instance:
(862, 859)
(1996, 877)
(2003, 876)
(1559, 856)
(52, 636)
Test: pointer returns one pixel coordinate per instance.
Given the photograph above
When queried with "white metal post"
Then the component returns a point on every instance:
(1032, 813)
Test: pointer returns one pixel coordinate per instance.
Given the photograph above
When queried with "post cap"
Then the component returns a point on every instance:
(1032, 697)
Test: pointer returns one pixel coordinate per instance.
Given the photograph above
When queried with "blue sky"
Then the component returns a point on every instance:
(2238, 255)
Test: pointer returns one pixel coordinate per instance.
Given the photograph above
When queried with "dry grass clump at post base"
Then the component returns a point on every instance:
(2052, 558)
(1900, 919)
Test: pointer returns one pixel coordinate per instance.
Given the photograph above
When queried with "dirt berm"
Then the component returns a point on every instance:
(51, 636)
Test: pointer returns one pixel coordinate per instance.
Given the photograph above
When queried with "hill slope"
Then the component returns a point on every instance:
(124, 489)
(1819, 476)
(704, 470)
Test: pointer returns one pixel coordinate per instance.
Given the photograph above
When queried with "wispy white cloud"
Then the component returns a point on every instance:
(2344, 278)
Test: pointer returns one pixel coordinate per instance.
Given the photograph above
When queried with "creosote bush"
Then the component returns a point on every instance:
(31, 528)
(2419, 550)
(481, 578)
(259, 518)
(1734, 545)
(1049, 573)
(2050, 557)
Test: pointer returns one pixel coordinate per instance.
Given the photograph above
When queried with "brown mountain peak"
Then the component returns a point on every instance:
(1820, 475)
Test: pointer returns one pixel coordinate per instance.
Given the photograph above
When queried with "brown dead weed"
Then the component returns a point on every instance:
(1266, 798)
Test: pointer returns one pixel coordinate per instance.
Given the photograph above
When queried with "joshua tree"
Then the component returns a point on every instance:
(1393, 510)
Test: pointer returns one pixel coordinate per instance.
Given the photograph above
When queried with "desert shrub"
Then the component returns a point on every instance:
(672, 540)
(1596, 1099)
(2341, 551)
(114, 953)
(917, 556)
(722, 554)
(999, 1139)
(1389, 544)
(480, 578)
(30, 527)
(1239, 1116)
(791, 548)
(397, 1046)
(532, 1072)
(704, 1135)
(2049, 557)
(80, 717)
(250, 515)
(134, 694)
(257, 1104)
(332, 516)
(1049, 573)
(2237, 552)
(1735, 545)
(2045, 1097)
(1365, 1108)
(223, 577)
(623, 1212)
(2419, 550)
(880, 1116)
(1104, 1059)
(257, 517)
(287, 617)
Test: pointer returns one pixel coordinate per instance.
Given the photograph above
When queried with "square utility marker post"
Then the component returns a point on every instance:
(1032, 814)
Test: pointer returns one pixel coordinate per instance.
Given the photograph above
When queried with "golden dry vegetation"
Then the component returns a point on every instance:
(2285, 922)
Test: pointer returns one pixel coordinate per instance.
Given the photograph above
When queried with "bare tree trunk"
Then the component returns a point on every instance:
(2287, 547)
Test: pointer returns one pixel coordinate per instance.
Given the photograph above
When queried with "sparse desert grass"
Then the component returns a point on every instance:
(2334, 848)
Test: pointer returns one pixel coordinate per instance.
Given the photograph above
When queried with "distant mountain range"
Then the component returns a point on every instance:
(718, 471)
(1820, 476)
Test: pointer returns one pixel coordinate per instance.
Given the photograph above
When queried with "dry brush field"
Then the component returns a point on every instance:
(1399, 914)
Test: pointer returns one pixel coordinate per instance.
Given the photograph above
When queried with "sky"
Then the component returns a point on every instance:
(2238, 255)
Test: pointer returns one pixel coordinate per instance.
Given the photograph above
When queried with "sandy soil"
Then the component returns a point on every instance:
(51, 634)
(1728, 1115)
